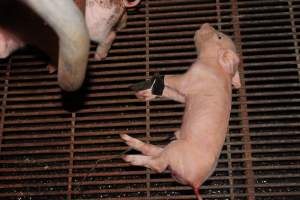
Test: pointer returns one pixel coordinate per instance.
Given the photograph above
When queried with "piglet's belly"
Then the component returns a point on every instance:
(206, 119)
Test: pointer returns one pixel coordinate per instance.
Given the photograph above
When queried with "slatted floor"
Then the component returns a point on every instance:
(56, 146)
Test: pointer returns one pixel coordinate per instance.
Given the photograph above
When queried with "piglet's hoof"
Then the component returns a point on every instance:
(145, 95)
(100, 55)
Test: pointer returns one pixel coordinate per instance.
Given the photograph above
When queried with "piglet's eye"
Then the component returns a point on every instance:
(220, 37)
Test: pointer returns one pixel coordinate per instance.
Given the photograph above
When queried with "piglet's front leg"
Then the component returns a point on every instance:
(158, 86)
(168, 93)
(145, 95)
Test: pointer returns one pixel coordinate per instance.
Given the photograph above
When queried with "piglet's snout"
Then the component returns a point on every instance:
(206, 29)
(205, 32)
(206, 26)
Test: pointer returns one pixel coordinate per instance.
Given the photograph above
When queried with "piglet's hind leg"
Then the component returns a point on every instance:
(103, 48)
(157, 164)
(146, 149)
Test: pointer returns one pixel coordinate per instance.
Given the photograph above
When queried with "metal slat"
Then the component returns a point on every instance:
(48, 151)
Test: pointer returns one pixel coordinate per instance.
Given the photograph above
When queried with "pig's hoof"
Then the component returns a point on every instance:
(125, 137)
(128, 140)
(146, 95)
(126, 158)
(137, 160)
(100, 55)
(129, 159)
(51, 69)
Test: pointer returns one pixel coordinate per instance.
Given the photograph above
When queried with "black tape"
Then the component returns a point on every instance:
(156, 83)
(143, 85)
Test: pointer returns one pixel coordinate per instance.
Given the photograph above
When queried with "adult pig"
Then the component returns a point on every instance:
(26, 21)
(205, 89)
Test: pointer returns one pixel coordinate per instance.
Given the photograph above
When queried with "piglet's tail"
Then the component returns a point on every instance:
(196, 190)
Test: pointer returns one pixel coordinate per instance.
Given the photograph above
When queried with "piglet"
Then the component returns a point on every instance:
(103, 19)
(205, 89)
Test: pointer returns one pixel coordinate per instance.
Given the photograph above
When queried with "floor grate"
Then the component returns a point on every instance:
(49, 141)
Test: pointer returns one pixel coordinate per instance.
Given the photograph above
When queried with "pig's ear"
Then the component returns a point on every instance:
(230, 61)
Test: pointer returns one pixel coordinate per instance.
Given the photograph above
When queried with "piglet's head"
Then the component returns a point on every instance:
(214, 46)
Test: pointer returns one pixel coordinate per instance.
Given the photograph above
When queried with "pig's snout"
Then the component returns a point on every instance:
(206, 29)
(206, 26)
(202, 35)
(205, 32)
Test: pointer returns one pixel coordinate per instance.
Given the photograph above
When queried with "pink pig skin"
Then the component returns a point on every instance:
(25, 27)
(103, 19)
(206, 91)
(9, 43)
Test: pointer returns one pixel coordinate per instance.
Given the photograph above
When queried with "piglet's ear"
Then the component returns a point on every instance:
(230, 61)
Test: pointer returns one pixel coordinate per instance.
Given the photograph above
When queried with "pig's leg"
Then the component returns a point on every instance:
(166, 86)
(145, 95)
(68, 22)
(177, 134)
(123, 22)
(103, 48)
(168, 93)
(51, 68)
(174, 82)
(173, 94)
(144, 148)
(158, 164)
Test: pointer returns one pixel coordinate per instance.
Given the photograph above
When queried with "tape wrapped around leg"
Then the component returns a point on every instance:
(156, 84)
